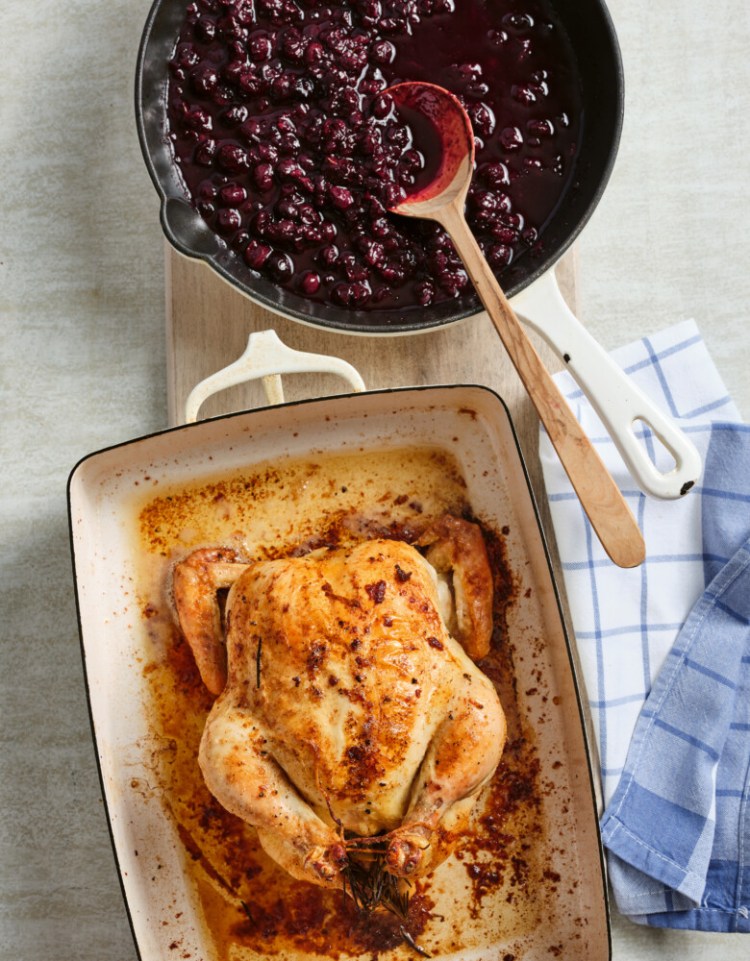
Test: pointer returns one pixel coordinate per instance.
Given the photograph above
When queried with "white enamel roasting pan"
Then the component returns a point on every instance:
(472, 424)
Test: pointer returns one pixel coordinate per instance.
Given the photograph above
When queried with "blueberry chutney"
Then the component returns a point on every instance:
(292, 152)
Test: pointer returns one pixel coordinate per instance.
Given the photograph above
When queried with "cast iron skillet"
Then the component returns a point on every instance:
(597, 54)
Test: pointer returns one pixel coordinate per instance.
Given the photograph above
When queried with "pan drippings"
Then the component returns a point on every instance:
(494, 886)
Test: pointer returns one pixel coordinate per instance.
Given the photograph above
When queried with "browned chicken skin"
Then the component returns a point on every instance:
(348, 708)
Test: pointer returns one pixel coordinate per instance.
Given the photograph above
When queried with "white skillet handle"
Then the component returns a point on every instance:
(613, 395)
(266, 357)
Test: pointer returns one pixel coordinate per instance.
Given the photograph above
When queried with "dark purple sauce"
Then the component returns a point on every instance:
(426, 138)
(292, 154)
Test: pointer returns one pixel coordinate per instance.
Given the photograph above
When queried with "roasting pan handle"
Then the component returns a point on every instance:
(266, 358)
(619, 403)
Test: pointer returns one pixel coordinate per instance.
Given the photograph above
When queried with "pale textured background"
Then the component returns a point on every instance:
(81, 296)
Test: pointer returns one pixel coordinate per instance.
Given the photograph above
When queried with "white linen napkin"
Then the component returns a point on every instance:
(677, 823)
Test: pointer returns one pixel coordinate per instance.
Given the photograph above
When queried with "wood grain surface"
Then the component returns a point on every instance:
(209, 321)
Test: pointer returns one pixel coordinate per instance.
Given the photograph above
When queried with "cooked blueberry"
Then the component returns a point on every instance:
(483, 119)
(310, 282)
(293, 153)
(263, 176)
(206, 29)
(340, 197)
(511, 138)
(235, 114)
(499, 255)
(232, 157)
(204, 78)
(231, 195)
(256, 254)
(351, 295)
(228, 220)
(383, 51)
(280, 266)
(524, 94)
(204, 153)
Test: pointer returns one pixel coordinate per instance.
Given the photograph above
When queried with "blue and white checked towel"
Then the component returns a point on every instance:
(665, 652)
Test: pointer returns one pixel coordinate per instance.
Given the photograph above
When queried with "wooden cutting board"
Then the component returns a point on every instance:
(209, 322)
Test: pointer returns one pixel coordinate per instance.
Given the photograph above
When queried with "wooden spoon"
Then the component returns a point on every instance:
(442, 132)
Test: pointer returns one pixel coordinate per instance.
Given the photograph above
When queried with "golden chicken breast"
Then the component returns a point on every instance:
(346, 709)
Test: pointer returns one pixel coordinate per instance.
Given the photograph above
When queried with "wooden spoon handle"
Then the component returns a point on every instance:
(600, 497)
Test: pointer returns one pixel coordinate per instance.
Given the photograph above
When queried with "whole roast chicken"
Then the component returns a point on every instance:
(348, 703)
